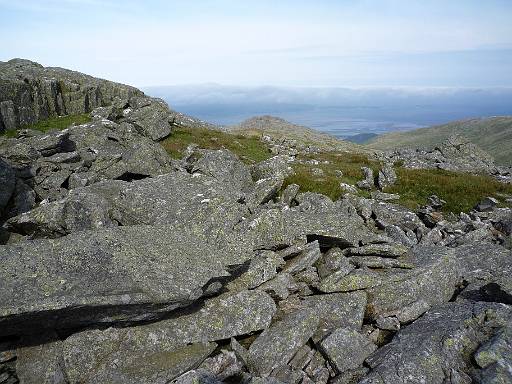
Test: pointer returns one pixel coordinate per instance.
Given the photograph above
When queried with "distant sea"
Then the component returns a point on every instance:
(339, 112)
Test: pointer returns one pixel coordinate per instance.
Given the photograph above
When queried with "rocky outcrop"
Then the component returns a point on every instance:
(31, 92)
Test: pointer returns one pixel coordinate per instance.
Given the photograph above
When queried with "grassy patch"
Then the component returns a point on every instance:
(461, 191)
(248, 149)
(59, 123)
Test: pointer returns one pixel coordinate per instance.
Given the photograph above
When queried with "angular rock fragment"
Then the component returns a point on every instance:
(289, 194)
(382, 250)
(386, 177)
(275, 167)
(487, 204)
(367, 182)
(337, 310)
(358, 279)
(274, 228)
(262, 268)
(305, 259)
(376, 262)
(346, 349)
(278, 344)
(432, 281)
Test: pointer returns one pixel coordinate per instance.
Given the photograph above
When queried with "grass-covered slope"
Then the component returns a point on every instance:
(494, 135)
(461, 191)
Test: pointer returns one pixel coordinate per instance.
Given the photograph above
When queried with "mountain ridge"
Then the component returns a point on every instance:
(493, 134)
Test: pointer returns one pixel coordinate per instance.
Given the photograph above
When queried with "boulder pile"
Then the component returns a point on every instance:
(120, 265)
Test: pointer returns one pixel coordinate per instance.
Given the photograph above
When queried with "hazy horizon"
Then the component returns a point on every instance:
(342, 112)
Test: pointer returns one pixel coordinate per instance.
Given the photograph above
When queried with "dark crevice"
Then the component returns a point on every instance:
(129, 177)
(65, 183)
(327, 242)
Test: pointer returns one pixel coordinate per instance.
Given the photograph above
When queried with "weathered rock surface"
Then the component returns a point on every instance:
(438, 347)
(121, 265)
(161, 351)
(346, 349)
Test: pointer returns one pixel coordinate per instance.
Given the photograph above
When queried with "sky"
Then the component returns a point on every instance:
(317, 43)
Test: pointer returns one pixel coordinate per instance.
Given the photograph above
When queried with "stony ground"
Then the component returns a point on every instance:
(120, 264)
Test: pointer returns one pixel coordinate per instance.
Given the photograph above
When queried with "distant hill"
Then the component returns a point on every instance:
(493, 134)
(361, 138)
(279, 128)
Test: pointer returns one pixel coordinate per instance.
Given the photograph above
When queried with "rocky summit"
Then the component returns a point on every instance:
(120, 264)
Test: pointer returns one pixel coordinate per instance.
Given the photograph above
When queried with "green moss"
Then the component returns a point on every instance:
(248, 149)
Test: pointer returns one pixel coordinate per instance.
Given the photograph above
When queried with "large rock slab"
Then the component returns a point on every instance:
(159, 352)
(438, 347)
(126, 273)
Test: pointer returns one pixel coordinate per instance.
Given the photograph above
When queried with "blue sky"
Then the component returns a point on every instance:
(326, 43)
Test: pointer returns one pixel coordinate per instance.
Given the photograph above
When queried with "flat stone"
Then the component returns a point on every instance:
(274, 228)
(382, 250)
(279, 343)
(337, 310)
(355, 280)
(432, 281)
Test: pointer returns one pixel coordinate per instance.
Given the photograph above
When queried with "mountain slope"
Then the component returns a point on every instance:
(494, 135)
(281, 129)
